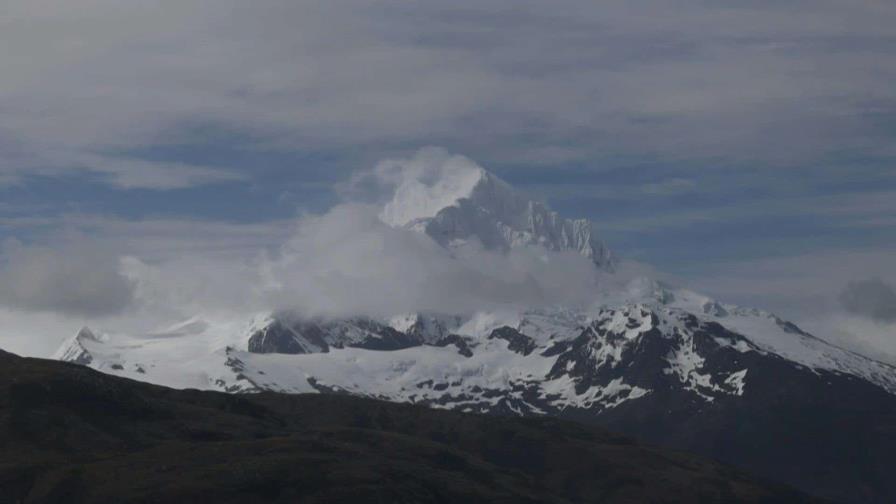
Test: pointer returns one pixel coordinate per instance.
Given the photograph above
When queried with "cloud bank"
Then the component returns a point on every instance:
(347, 261)
(827, 293)
(361, 259)
(73, 277)
(529, 82)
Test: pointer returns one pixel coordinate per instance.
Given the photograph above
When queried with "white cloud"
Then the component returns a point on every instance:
(36, 334)
(847, 210)
(348, 261)
(72, 276)
(807, 289)
(136, 173)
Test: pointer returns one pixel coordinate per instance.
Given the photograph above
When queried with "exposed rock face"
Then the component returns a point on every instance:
(280, 337)
(516, 341)
(290, 335)
(458, 342)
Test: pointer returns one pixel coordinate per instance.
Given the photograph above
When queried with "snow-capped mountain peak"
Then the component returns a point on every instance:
(457, 202)
(75, 349)
(423, 193)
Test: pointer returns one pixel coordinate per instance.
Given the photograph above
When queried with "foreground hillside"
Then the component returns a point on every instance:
(71, 434)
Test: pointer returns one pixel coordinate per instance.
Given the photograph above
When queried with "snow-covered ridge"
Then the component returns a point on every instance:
(774, 335)
(541, 361)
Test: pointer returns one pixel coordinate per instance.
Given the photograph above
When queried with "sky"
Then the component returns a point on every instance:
(743, 149)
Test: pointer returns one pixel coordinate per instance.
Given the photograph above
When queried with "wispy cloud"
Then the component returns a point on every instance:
(827, 292)
(858, 209)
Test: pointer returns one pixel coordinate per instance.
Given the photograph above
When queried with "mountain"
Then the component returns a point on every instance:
(70, 434)
(667, 366)
(468, 203)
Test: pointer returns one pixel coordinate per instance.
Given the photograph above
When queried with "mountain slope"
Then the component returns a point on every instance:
(70, 434)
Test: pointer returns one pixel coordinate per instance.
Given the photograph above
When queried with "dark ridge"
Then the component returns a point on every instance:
(458, 341)
(278, 338)
(70, 434)
(516, 341)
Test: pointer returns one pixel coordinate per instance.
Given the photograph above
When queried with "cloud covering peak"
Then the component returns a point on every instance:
(354, 259)
(425, 184)
(350, 262)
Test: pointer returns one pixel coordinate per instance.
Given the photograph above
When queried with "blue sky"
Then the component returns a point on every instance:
(723, 143)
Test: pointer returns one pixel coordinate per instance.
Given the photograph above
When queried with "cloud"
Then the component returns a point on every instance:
(71, 277)
(414, 187)
(670, 187)
(430, 170)
(809, 290)
(845, 210)
(128, 173)
(348, 261)
(871, 298)
(533, 84)
(856, 332)
(33, 333)
(799, 285)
